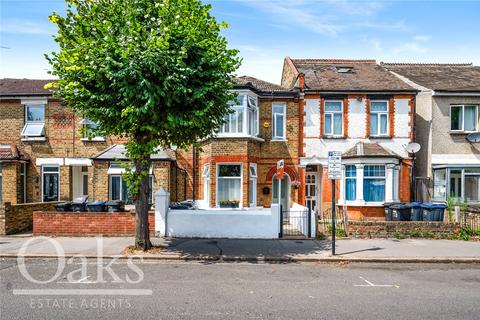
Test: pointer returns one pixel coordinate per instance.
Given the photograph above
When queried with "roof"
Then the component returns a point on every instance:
(117, 152)
(369, 150)
(24, 87)
(11, 153)
(259, 85)
(360, 75)
(461, 77)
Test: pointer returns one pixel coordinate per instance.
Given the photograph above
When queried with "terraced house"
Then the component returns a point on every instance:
(358, 108)
(447, 128)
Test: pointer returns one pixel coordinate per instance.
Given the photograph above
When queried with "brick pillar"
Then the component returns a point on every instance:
(367, 120)
(391, 116)
(345, 117)
(322, 115)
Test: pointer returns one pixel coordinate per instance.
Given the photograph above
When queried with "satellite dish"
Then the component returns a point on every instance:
(413, 147)
(473, 137)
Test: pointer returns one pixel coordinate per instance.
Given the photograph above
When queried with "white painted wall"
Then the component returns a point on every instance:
(312, 118)
(357, 118)
(295, 218)
(402, 118)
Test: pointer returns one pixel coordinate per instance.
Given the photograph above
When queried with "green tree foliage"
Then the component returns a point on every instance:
(158, 73)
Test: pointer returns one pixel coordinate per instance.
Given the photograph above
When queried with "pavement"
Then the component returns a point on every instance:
(199, 290)
(375, 250)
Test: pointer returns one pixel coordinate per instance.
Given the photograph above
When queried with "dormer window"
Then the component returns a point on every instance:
(243, 120)
(34, 121)
(344, 69)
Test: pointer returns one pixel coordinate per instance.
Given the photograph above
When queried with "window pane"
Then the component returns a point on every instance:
(328, 123)
(374, 190)
(239, 120)
(125, 196)
(115, 187)
(229, 170)
(373, 124)
(376, 106)
(439, 183)
(333, 106)
(85, 184)
(277, 108)
(50, 169)
(374, 171)
(33, 130)
(455, 183)
(337, 123)
(456, 118)
(35, 113)
(383, 124)
(228, 190)
(472, 188)
(470, 118)
(251, 191)
(350, 189)
(279, 122)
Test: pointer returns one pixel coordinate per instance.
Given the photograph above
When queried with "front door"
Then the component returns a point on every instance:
(283, 193)
(311, 180)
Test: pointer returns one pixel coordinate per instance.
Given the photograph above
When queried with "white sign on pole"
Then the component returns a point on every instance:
(334, 165)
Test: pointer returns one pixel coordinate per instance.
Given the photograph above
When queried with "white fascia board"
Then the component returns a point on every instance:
(78, 162)
(456, 159)
(49, 161)
(34, 100)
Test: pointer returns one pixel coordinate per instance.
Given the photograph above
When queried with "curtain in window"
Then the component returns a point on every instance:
(229, 189)
(439, 184)
(350, 183)
(470, 123)
(337, 123)
(328, 123)
(472, 188)
(383, 124)
(373, 124)
(374, 190)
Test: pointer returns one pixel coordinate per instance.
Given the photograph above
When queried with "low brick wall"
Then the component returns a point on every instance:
(388, 229)
(19, 217)
(87, 223)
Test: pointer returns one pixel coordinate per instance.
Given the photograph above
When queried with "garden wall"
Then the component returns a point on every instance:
(86, 223)
(19, 217)
(400, 229)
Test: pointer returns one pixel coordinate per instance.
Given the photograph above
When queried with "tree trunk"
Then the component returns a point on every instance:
(142, 230)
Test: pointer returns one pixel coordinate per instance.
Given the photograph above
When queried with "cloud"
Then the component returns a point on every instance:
(422, 38)
(19, 26)
(410, 47)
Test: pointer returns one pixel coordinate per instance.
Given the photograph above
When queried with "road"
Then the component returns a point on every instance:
(239, 291)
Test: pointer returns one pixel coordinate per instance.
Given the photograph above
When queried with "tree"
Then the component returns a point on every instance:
(158, 73)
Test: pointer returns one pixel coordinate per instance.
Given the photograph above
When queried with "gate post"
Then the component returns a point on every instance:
(309, 223)
(280, 234)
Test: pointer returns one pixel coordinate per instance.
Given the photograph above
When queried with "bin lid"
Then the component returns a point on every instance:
(439, 206)
(95, 203)
(427, 205)
(114, 203)
(400, 206)
(389, 204)
(415, 204)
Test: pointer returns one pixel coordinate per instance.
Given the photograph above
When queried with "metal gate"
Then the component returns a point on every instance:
(295, 223)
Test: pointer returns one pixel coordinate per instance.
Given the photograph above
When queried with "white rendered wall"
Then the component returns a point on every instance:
(312, 118)
(357, 118)
(402, 118)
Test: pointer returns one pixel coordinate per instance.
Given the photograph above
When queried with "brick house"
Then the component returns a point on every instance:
(44, 156)
(358, 108)
(236, 167)
(447, 113)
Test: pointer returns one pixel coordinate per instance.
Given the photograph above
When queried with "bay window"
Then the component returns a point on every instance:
(374, 183)
(379, 118)
(229, 185)
(350, 183)
(279, 120)
(243, 119)
(460, 183)
(463, 118)
(34, 121)
(333, 118)
(252, 185)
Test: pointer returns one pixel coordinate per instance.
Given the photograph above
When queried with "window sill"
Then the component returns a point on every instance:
(278, 140)
(96, 139)
(360, 203)
(380, 137)
(238, 136)
(333, 137)
(34, 139)
(461, 133)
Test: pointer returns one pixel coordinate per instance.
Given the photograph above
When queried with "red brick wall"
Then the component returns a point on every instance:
(86, 224)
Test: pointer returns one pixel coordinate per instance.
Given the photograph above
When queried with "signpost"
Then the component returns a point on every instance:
(334, 173)
(280, 174)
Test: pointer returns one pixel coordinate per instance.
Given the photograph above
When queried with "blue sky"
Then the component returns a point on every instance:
(265, 31)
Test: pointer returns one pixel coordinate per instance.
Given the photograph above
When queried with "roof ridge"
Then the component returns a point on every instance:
(460, 64)
(372, 61)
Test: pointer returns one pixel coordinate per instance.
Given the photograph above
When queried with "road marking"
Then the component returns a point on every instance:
(81, 281)
(83, 292)
(371, 284)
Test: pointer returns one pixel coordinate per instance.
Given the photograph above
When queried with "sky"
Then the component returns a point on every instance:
(265, 31)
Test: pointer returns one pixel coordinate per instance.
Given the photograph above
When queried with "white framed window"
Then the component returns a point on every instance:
(279, 120)
(118, 189)
(229, 185)
(378, 118)
(252, 185)
(50, 183)
(374, 180)
(85, 180)
(463, 118)
(206, 183)
(462, 183)
(34, 121)
(88, 129)
(243, 120)
(333, 118)
(350, 183)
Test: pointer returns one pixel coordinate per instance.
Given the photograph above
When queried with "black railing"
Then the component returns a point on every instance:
(295, 223)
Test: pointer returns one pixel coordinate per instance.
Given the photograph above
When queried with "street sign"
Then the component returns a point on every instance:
(280, 169)
(334, 165)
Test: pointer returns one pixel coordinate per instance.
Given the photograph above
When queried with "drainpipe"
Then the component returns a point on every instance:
(412, 182)
(194, 173)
